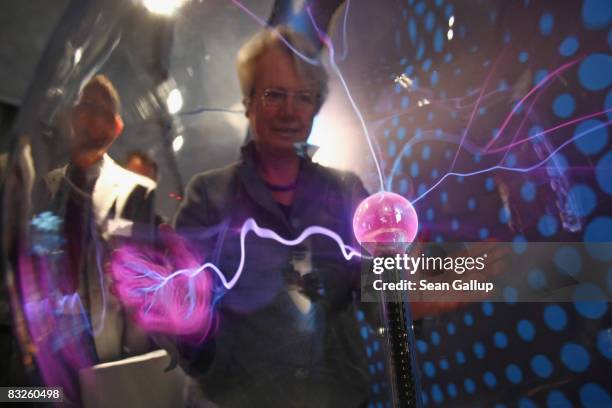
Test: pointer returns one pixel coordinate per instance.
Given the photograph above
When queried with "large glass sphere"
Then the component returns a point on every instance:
(386, 220)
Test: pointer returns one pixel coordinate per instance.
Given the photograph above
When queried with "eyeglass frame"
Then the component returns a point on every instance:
(266, 103)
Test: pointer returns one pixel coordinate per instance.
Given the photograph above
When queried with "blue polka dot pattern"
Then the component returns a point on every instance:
(444, 364)
(489, 379)
(421, 346)
(511, 160)
(596, 13)
(435, 338)
(563, 200)
(603, 173)
(526, 330)
(528, 191)
(604, 343)
(575, 357)
(414, 169)
(519, 244)
(452, 390)
(479, 350)
(557, 165)
(546, 23)
(483, 233)
(539, 76)
(364, 333)
(424, 398)
(438, 41)
(599, 230)
(504, 215)
(541, 366)
(536, 279)
(595, 72)
(500, 339)
(391, 148)
(583, 200)
(426, 152)
(487, 308)
(569, 46)
(557, 399)
(568, 261)
(430, 21)
(444, 197)
(555, 317)
(547, 225)
(430, 214)
(594, 395)
(526, 403)
(429, 369)
(460, 357)
(510, 294)
(591, 136)
(590, 301)
(469, 385)
(436, 394)
(514, 374)
(564, 105)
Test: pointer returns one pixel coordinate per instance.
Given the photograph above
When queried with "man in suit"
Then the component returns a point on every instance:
(141, 163)
(101, 204)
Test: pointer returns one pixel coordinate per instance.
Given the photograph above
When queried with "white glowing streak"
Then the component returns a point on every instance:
(451, 21)
(163, 7)
(450, 34)
(174, 101)
(78, 53)
(177, 143)
(251, 225)
(404, 81)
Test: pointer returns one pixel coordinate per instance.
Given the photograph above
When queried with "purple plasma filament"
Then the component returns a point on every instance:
(180, 301)
(163, 299)
(385, 218)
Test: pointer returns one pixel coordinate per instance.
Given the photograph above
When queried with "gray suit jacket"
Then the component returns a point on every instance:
(273, 346)
(120, 207)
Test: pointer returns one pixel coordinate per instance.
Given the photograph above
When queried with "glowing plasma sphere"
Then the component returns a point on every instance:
(383, 221)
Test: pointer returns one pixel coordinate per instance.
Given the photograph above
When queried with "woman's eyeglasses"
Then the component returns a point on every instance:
(274, 98)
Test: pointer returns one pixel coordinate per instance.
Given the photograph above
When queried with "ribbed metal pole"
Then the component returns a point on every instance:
(402, 364)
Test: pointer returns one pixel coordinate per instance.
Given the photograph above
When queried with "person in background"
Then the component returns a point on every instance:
(100, 204)
(141, 163)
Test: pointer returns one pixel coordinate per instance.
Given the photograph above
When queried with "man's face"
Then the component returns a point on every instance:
(283, 105)
(95, 124)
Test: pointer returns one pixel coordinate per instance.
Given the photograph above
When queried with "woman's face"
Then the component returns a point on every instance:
(283, 104)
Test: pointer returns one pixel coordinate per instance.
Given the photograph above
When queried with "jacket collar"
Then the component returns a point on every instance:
(256, 188)
(113, 185)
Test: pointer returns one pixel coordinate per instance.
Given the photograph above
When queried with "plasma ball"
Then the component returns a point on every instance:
(385, 220)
